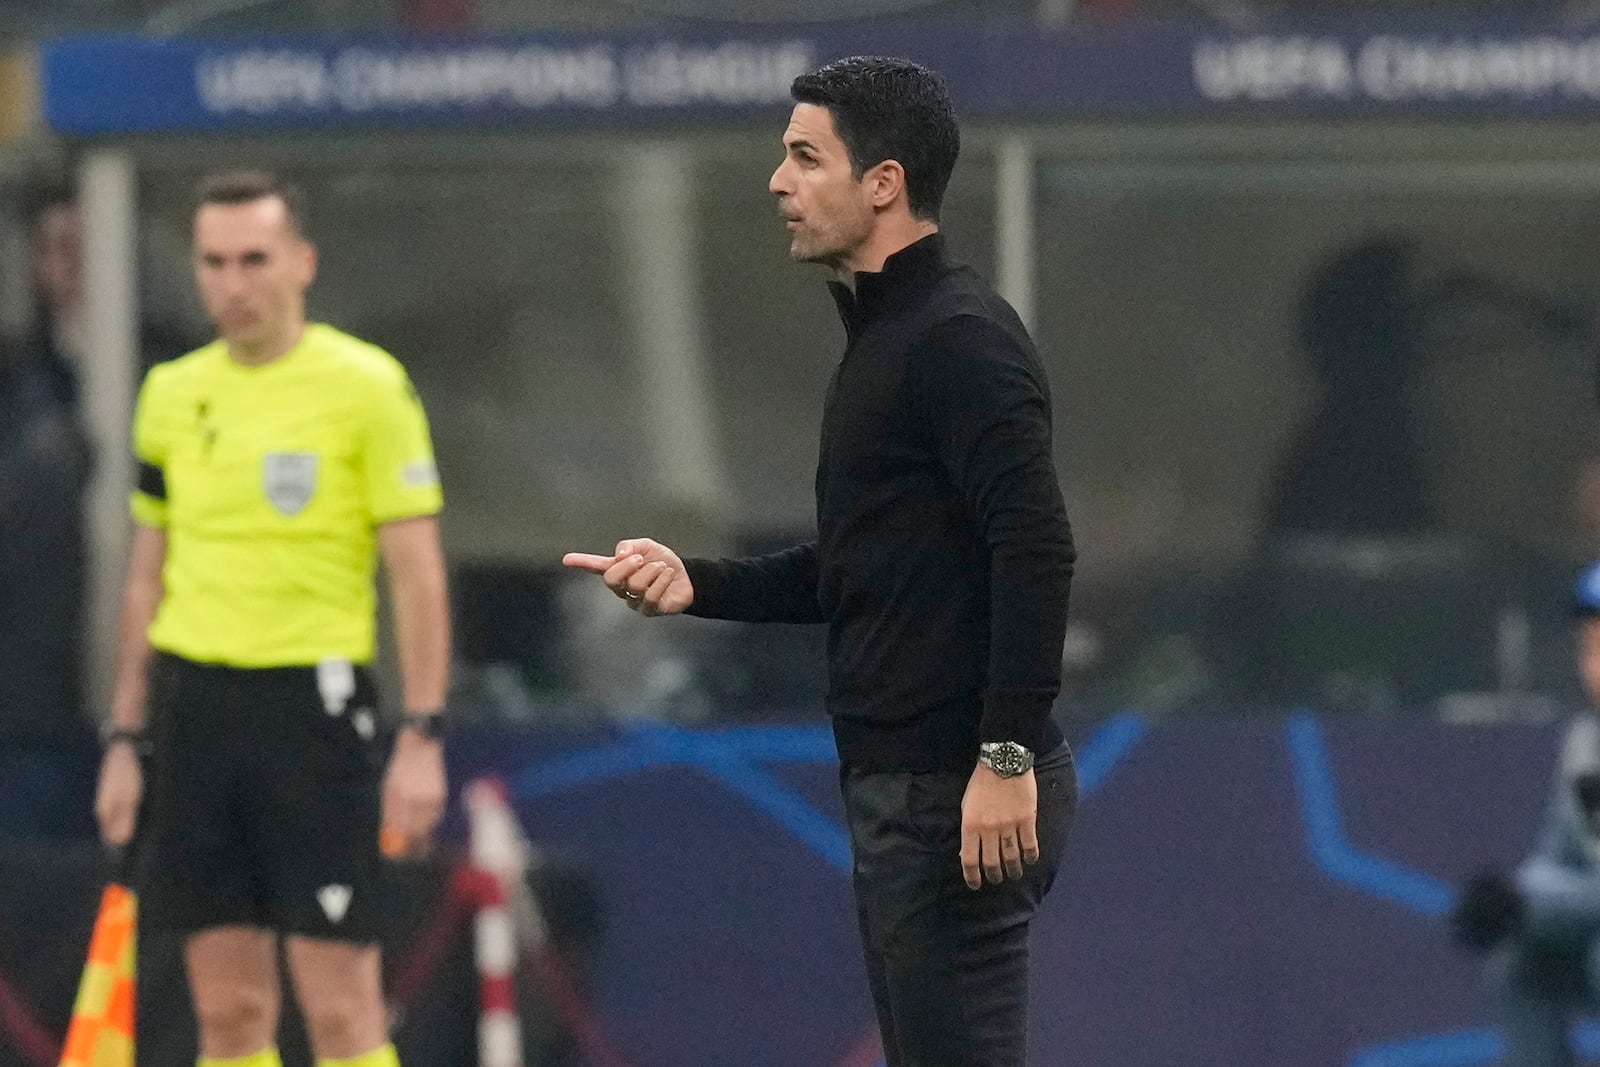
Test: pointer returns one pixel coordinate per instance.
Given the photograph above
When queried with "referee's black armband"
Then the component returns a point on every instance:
(152, 480)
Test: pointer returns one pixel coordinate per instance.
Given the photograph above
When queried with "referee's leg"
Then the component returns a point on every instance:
(318, 776)
(194, 875)
(233, 979)
(339, 987)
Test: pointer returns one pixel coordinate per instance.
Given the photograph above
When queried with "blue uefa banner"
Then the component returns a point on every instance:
(124, 85)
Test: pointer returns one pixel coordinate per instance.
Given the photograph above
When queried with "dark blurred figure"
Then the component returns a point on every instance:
(1341, 607)
(1357, 468)
(56, 251)
(46, 746)
(44, 464)
(1364, 596)
(1364, 593)
(44, 467)
(59, 334)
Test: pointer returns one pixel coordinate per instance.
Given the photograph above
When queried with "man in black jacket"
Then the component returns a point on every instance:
(941, 566)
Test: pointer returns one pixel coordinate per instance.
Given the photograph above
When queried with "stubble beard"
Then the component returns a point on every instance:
(817, 249)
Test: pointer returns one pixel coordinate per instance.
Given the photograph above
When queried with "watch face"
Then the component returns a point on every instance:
(429, 725)
(1007, 759)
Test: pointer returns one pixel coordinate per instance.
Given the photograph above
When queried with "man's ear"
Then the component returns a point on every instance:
(887, 183)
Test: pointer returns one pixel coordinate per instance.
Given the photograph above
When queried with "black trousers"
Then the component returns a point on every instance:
(948, 965)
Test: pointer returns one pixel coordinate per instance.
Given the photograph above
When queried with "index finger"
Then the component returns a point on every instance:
(588, 561)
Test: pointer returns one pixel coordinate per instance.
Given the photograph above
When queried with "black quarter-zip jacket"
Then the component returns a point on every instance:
(943, 554)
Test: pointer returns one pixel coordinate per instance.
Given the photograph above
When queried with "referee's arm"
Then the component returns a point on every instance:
(121, 783)
(414, 788)
(140, 597)
(414, 561)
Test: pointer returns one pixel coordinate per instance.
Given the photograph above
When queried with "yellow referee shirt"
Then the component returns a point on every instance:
(271, 483)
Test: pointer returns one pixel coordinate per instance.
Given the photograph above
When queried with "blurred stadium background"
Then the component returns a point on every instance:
(1317, 282)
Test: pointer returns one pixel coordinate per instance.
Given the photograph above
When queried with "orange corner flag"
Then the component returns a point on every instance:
(101, 1034)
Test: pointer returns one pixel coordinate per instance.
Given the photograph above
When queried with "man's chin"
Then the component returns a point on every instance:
(241, 338)
(802, 253)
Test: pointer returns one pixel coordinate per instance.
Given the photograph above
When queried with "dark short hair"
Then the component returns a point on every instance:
(248, 186)
(40, 200)
(886, 108)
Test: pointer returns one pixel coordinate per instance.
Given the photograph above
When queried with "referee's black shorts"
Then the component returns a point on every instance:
(261, 800)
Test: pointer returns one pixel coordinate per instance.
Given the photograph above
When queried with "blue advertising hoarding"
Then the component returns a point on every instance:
(127, 85)
(1240, 891)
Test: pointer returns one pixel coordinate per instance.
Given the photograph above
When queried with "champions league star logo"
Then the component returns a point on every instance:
(290, 480)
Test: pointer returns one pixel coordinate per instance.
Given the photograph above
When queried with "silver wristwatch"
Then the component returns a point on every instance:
(1006, 759)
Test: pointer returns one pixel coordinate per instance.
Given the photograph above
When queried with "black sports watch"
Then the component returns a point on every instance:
(429, 724)
(112, 734)
(1006, 759)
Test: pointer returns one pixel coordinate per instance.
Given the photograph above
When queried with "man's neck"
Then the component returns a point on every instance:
(885, 241)
(267, 351)
(68, 331)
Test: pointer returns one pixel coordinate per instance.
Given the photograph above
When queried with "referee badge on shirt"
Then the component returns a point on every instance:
(290, 480)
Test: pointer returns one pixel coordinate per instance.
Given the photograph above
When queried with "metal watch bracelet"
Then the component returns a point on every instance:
(1007, 759)
(430, 724)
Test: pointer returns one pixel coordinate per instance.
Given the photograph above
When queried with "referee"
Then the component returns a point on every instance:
(275, 465)
(941, 567)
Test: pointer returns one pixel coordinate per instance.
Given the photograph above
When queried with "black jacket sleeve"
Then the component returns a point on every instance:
(780, 587)
(986, 404)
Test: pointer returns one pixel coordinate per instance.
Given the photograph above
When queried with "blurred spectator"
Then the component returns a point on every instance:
(44, 462)
(44, 465)
(1541, 927)
(56, 246)
(1357, 467)
(59, 334)
(1366, 591)
(1338, 606)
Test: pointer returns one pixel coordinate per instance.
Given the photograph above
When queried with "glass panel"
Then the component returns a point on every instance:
(1325, 426)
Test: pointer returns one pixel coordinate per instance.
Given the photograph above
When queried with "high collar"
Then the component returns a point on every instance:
(878, 293)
